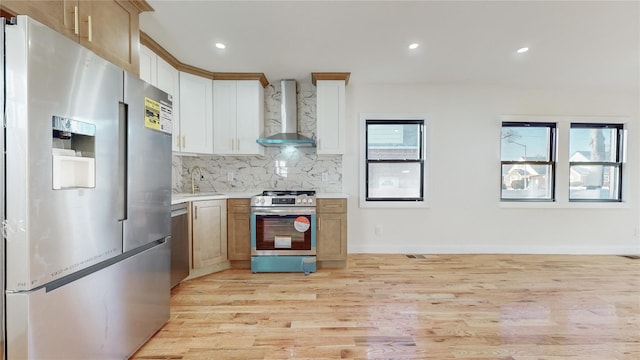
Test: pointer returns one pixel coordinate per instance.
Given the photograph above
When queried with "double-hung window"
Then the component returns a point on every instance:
(595, 162)
(394, 160)
(527, 155)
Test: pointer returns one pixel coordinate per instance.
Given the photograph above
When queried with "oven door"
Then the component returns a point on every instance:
(283, 231)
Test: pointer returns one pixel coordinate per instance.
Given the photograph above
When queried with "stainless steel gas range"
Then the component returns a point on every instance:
(283, 231)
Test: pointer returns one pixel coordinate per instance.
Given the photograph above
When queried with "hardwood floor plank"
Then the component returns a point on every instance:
(517, 307)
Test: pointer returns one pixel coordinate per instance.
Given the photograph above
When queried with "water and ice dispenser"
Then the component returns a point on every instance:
(73, 153)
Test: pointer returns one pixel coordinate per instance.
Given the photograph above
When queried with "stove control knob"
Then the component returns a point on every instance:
(261, 200)
(298, 200)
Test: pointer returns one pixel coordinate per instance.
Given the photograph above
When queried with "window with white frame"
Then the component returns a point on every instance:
(528, 161)
(394, 166)
(595, 162)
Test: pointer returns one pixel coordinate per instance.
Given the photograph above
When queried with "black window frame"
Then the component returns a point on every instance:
(421, 160)
(551, 163)
(618, 163)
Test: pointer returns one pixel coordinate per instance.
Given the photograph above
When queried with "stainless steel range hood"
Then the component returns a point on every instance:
(289, 134)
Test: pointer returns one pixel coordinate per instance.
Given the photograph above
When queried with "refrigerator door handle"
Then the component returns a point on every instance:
(122, 161)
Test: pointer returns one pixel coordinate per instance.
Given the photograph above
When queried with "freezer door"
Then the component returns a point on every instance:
(52, 82)
(148, 119)
(107, 314)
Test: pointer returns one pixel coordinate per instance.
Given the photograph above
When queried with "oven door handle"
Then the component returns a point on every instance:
(283, 211)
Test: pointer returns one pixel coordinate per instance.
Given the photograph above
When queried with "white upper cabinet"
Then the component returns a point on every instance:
(238, 117)
(224, 116)
(330, 112)
(168, 80)
(148, 65)
(196, 114)
(159, 73)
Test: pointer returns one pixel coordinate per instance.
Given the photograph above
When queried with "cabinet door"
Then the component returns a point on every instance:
(330, 112)
(239, 229)
(332, 237)
(224, 117)
(148, 65)
(168, 80)
(58, 15)
(250, 117)
(196, 114)
(209, 231)
(111, 29)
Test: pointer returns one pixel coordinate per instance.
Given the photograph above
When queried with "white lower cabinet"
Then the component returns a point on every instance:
(238, 117)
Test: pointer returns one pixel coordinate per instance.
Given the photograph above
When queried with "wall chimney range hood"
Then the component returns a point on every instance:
(289, 113)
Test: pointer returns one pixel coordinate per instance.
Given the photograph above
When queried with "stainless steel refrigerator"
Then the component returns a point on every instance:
(86, 180)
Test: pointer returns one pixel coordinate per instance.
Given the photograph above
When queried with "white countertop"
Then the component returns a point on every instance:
(332, 196)
(178, 198)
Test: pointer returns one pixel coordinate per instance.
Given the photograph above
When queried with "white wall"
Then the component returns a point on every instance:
(465, 215)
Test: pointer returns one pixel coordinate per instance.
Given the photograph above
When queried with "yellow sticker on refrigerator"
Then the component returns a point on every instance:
(151, 114)
(157, 115)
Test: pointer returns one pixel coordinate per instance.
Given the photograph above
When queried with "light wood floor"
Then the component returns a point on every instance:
(521, 307)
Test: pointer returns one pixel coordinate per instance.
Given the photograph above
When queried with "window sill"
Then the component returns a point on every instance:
(562, 205)
(394, 205)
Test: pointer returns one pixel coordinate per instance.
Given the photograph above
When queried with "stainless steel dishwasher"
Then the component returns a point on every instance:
(179, 243)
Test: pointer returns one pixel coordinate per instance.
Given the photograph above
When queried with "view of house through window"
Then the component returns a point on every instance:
(595, 162)
(528, 161)
(394, 160)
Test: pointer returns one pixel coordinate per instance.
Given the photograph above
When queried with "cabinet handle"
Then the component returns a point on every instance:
(184, 141)
(90, 29)
(76, 20)
(238, 144)
(178, 141)
(195, 212)
(232, 148)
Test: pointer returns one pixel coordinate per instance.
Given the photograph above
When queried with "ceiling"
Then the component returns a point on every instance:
(574, 44)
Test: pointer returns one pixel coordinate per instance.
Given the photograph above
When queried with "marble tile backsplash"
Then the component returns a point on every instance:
(279, 169)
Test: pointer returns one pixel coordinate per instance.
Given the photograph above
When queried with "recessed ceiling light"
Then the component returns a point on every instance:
(522, 50)
(221, 45)
(413, 46)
